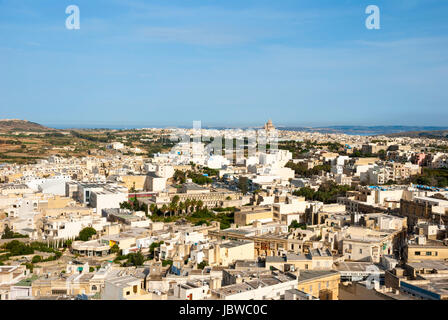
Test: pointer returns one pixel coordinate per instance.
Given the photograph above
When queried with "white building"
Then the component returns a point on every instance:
(68, 227)
(263, 288)
(217, 162)
(165, 171)
(108, 197)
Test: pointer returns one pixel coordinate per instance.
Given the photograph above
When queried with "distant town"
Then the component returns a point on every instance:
(206, 214)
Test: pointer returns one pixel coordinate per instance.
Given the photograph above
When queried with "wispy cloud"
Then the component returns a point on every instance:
(194, 36)
(405, 42)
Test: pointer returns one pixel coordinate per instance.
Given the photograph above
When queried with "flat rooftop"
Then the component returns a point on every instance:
(320, 253)
(263, 281)
(234, 244)
(435, 285)
(122, 281)
(354, 266)
(437, 265)
(314, 274)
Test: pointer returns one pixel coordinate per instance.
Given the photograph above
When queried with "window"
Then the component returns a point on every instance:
(428, 253)
(328, 284)
(58, 292)
(135, 288)
(417, 253)
(360, 251)
(128, 293)
(306, 267)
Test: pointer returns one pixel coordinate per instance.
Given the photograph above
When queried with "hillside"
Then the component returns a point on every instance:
(21, 125)
(436, 134)
(374, 130)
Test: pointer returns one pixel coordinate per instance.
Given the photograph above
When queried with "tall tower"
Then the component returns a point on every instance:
(269, 126)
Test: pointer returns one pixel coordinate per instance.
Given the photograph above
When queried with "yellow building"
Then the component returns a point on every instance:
(317, 259)
(56, 203)
(76, 210)
(320, 284)
(137, 182)
(415, 253)
(366, 161)
(223, 254)
(128, 288)
(247, 215)
(66, 284)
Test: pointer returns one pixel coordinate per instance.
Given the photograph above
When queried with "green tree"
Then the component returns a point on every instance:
(153, 208)
(199, 205)
(164, 210)
(36, 259)
(187, 205)
(306, 192)
(8, 233)
(115, 249)
(154, 245)
(167, 262)
(181, 207)
(192, 205)
(126, 205)
(172, 208)
(136, 259)
(243, 184)
(295, 225)
(179, 176)
(86, 233)
(176, 199)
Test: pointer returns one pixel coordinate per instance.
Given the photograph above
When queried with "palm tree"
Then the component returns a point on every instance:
(174, 204)
(192, 205)
(153, 208)
(187, 205)
(181, 207)
(173, 208)
(164, 209)
(200, 204)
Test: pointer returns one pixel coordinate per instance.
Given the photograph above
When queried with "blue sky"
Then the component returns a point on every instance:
(224, 62)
